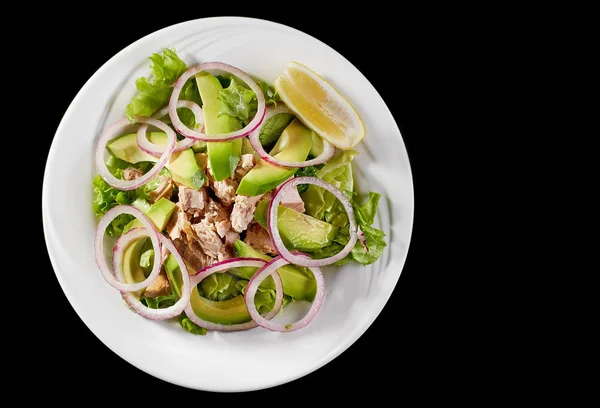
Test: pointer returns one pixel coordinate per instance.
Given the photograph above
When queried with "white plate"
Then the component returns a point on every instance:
(239, 361)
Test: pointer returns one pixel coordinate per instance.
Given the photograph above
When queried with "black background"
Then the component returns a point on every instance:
(407, 57)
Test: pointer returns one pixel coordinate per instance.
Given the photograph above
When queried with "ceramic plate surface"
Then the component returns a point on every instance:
(355, 295)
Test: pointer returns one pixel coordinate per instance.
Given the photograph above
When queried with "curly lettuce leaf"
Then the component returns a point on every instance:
(154, 91)
(241, 102)
(264, 300)
(160, 302)
(144, 190)
(107, 197)
(190, 326)
(220, 286)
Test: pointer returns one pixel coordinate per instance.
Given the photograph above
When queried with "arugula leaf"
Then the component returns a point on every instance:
(219, 286)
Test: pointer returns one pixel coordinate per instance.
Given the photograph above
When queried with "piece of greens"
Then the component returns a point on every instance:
(162, 302)
(309, 171)
(241, 102)
(154, 91)
(219, 286)
(272, 129)
(338, 172)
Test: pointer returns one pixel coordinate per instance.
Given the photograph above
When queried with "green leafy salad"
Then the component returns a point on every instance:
(222, 195)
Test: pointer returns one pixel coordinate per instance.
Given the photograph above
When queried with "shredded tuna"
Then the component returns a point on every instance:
(177, 222)
(131, 173)
(164, 189)
(194, 255)
(243, 211)
(207, 237)
(230, 237)
(193, 201)
(258, 238)
(159, 287)
(222, 227)
(244, 166)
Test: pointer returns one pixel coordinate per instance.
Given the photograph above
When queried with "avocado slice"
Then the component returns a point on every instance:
(230, 311)
(159, 213)
(132, 271)
(294, 144)
(182, 165)
(223, 156)
(298, 231)
(298, 282)
(125, 147)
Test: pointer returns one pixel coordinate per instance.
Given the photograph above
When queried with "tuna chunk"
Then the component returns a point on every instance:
(291, 198)
(215, 212)
(192, 201)
(245, 164)
(225, 190)
(131, 173)
(230, 237)
(243, 211)
(225, 253)
(164, 189)
(258, 238)
(177, 222)
(159, 287)
(207, 237)
(194, 255)
(222, 227)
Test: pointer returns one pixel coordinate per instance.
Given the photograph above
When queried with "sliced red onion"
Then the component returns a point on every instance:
(253, 137)
(179, 306)
(222, 137)
(122, 243)
(274, 230)
(271, 269)
(156, 150)
(222, 267)
(114, 130)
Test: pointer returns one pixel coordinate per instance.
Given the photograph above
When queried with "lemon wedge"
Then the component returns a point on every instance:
(320, 106)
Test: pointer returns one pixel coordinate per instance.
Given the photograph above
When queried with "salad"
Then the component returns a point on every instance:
(219, 196)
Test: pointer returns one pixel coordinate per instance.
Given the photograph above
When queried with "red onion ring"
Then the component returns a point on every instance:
(269, 269)
(192, 134)
(222, 267)
(274, 229)
(111, 132)
(121, 245)
(171, 311)
(253, 137)
(156, 150)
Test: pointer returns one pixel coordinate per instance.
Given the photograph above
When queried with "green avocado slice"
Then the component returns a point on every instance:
(223, 156)
(298, 282)
(298, 231)
(183, 166)
(294, 144)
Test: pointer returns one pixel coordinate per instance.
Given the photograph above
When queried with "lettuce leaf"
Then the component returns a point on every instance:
(220, 286)
(240, 102)
(264, 300)
(338, 172)
(309, 171)
(105, 198)
(154, 91)
(190, 326)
